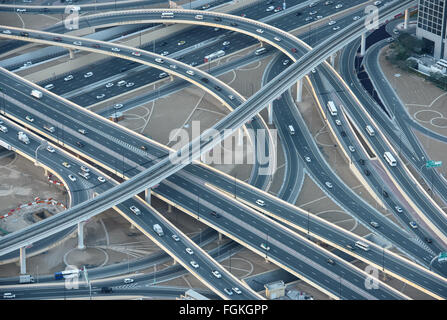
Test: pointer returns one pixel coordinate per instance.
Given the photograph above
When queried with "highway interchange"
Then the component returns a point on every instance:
(111, 157)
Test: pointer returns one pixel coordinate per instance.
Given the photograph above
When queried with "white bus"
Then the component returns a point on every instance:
(214, 55)
(362, 245)
(332, 108)
(390, 159)
(167, 15)
(370, 130)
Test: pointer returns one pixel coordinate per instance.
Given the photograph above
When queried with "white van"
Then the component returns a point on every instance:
(199, 17)
(49, 128)
(3, 129)
(49, 86)
(121, 83)
(291, 130)
(167, 15)
(260, 51)
(8, 295)
(370, 130)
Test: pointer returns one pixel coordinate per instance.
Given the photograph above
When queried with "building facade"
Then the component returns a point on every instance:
(431, 26)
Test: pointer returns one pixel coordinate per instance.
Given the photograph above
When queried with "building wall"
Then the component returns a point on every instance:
(432, 17)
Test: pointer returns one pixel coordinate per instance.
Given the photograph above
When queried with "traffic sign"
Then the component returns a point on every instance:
(433, 164)
(442, 257)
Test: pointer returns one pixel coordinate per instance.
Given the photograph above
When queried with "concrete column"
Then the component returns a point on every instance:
(240, 137)
(81, 235)
(407, 18)
(333, 60)
(270, 110)
(169, 207)
(299, 91)
(22, 260)
(147, 195)
(171, 77)
(46, 172)
(203, 158)
(174, 262)
(363, 48)
(71, 51)
(132, 227)
(220, 237)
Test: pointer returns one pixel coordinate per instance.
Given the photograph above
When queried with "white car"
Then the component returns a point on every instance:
(164, 53)
(72, 177)
(278, 39)
(135, 210)
(159, 60)
(162, 75)
(88, 74)
(237, 290)
(265, 247)
(377, 3)
(314, 70)
(173, 66)
(413, 225)
(77, 43)
(338, 6)
(190, 72)
(307, 159)
(286, 62)
(337, 122)
(110, 84)
(313, 12)
(228, 291)
(328, 184)
(259, 31)
(271, 8)
(49, 86)
(217, 274)
(130, 84)
(260, 202)
(226, 43)
(194, 264)
(69, 77)
(332, 22)
(336, 28)
(66, 164)
(29, 118)
(351, 148)
(85, 169)
(118, 106)
(175, 237)
(356, 18)
(100, 96)
(136, 53)
(82, 131)
(6, 31)
(398, 209)
(128, 280)
(101, 179)
(116, 49)
(374, 224)
(189, 251)
(50, 149)
(231, 97)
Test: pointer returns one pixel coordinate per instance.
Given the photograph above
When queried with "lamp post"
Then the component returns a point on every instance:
(43, 143)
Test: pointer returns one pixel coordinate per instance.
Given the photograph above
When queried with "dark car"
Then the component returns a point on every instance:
(362, 162)
(298, 14)
(79, 144)
(106, 290)
(57, 39)
(385, 194)
(428, 240)
(217, 88)
(143, 148)
(205, 80)
(234, 24)
(367, 172)
(293, 50)
(343, 134)
(217, 19)
(215, 214)
(95, 45)
(163, 43)
(24, 34)
(123, 69)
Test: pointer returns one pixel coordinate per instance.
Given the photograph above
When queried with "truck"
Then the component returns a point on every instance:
(26, 278)
(23, 137)
(36, 94)
(5, 145)
(158, 229)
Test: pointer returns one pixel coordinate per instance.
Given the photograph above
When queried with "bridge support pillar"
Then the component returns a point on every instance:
(299, 91)
(132, 227)
(71, 52)
(174, 262)
(22, 260)
(332, 60)
(270, 111)
(45, 172)
(169, 208)
(219, 239)
(363, 47)
(81, 245)
(240, 137)
(407, 18)
(147, 195)
(171, 77)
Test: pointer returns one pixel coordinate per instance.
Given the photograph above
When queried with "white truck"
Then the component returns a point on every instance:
(158, 229)
(23, 137)
(36, 94)
(26, 278)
